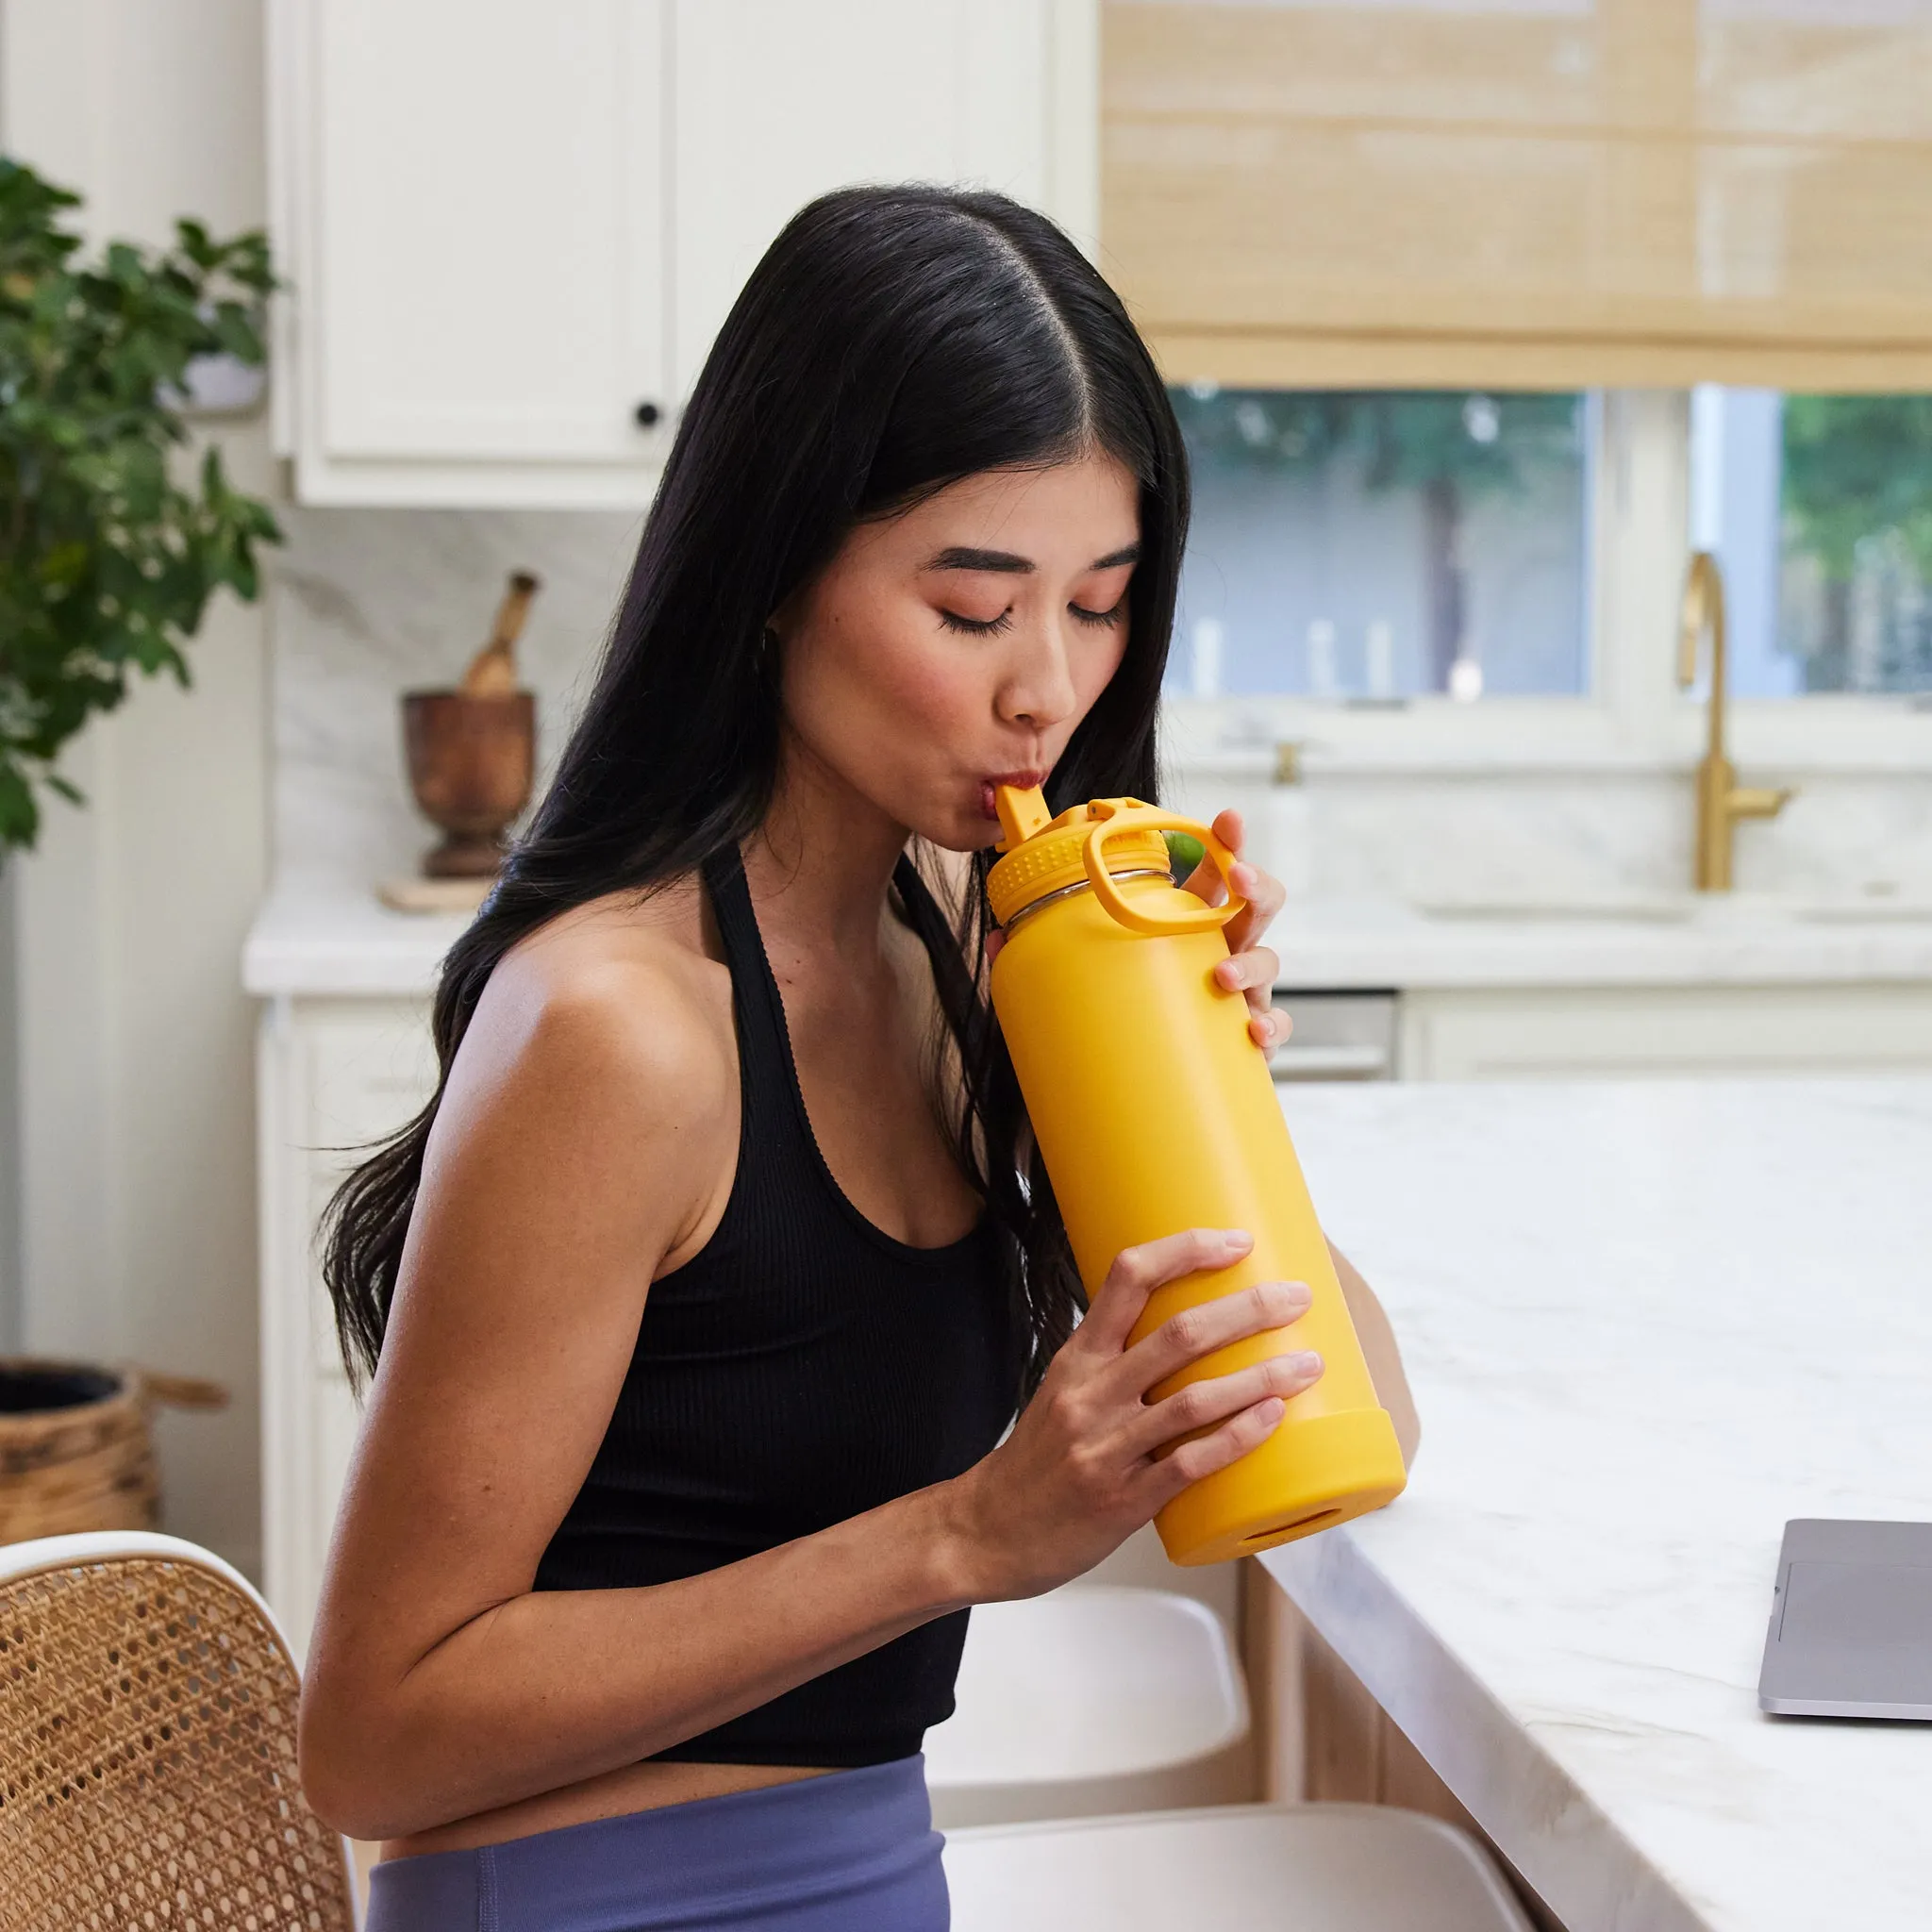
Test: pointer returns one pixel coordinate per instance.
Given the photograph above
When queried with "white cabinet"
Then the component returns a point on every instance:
(511, 230)
(470, 205)
(332, 1075)
(774, 103)
(1609, 1032)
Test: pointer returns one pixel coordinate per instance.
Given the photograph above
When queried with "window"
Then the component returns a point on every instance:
(1366, 547)
(1328, 603)
(1820, 511)
(1314, 208)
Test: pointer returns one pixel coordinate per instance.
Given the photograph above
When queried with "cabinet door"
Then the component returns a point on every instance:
(777, 102)
(1633, 1032)
(332, 1076)
(476, 189)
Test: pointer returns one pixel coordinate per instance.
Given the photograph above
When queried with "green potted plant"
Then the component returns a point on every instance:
(110, 547)
(112, 541)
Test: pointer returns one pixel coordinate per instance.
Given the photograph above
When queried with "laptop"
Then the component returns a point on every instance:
(1851, 1621)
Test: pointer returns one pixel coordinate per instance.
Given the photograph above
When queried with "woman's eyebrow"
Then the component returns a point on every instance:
(963, 556)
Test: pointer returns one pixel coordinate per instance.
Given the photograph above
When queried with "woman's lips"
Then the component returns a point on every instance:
(1021, 781)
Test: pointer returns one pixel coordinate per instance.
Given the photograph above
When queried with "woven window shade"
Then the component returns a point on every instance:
(1524, 194)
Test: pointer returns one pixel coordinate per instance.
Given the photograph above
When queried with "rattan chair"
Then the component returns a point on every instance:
(147, 1748)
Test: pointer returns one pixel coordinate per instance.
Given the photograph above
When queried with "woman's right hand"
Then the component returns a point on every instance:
(1079, 1471)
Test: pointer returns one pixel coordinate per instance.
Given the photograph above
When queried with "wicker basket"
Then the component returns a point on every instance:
(75, 1453)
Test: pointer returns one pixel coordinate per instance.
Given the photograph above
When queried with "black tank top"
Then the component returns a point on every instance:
(801, 1367)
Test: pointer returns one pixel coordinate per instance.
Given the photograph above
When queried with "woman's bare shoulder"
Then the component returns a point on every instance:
(620, 1002)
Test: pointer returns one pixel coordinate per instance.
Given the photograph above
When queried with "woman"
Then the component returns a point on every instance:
(701, 1297)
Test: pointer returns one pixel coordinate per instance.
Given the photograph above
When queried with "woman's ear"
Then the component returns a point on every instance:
(786, 616)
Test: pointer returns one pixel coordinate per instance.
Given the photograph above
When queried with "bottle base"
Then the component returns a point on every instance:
(1307, 1477)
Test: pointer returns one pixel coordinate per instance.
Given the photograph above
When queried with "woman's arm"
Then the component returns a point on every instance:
(585, 1144)
(1377, 1337)
(575, 1153)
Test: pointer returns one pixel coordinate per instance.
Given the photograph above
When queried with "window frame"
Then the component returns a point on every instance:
(1633, 717)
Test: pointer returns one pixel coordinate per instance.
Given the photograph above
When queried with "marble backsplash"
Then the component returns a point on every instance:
(1511, 838)
(369, 603)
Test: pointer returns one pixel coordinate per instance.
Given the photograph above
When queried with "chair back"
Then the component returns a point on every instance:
(1275, 1867)
(147, 1746)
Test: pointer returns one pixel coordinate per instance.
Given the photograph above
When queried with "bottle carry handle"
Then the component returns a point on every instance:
(1119, 819)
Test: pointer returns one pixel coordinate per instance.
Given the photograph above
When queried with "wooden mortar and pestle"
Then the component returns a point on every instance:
(472, 756)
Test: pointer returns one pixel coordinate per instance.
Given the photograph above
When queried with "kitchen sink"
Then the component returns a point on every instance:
(1866, 912)
(1679, 909)
(1660, 909)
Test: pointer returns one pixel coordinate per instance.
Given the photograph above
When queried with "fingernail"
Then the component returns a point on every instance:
(1300, 1296)
(1229, 974)
(1237, 1238)
(1272, 1410)
(1306, 1364)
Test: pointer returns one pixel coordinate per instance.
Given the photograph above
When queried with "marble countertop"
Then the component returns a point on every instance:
(1647, 1324)
(320, 938)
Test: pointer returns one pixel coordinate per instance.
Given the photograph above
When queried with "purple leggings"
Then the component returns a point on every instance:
(852, 1851)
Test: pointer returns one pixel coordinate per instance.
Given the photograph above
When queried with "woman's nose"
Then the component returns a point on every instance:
(1039, 688)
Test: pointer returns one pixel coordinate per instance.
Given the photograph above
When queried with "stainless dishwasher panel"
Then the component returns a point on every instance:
(1337, 1036)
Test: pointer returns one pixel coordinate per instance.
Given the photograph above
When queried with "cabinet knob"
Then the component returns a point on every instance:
(647, 415)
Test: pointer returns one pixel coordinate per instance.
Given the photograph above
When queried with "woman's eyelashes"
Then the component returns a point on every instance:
(992, 627)
(976, 626)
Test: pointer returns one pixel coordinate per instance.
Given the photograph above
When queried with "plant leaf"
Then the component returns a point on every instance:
(109, 550)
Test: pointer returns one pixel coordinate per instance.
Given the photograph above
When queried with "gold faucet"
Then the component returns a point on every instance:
(1721, 800)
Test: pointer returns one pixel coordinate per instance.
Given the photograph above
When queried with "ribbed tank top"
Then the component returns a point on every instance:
(801, 1368)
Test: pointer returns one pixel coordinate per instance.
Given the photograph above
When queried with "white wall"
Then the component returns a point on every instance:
(134, 1040)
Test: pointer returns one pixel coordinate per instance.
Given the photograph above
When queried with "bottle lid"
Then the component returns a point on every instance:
(1046, 855)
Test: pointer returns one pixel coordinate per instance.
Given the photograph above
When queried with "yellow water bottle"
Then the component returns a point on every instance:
(1155, 1112)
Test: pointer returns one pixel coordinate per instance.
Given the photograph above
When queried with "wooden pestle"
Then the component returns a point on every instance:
(492, 671)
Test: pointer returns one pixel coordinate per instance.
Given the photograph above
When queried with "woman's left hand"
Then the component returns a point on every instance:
(1254, 968)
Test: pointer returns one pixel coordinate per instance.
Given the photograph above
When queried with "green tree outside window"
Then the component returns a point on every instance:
(1451, 447)
(1856, 493)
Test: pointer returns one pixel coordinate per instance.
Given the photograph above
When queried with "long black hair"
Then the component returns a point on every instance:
(891, 341)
